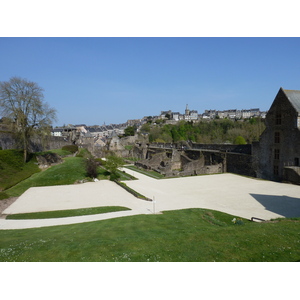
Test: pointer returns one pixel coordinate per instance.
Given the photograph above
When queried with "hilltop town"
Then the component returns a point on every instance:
(169, 117)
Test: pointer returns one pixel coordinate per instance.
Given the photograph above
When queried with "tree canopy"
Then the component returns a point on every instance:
(22, 102)
(214, 131)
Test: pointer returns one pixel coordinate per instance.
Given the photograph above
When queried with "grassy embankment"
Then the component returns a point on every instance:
(183, 235)
(66, 213)
(22, 176)
(152, 174)
(13, 170)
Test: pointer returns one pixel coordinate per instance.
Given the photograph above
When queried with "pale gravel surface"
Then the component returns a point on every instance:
(229, 193)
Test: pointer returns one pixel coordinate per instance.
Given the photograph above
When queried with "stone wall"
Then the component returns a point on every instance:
(183, 163)
(7, 141)
(292, 175)
(241, 164)
(246, 149)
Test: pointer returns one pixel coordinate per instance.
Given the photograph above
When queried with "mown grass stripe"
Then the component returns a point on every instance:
(66, 213)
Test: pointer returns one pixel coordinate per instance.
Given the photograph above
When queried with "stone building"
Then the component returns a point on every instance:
(278, 150)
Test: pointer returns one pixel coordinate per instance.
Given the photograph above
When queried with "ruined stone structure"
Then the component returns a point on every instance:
(278, 151)
(275, 157)
(195, 159)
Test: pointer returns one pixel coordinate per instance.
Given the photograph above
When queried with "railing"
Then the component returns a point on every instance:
(254, 218)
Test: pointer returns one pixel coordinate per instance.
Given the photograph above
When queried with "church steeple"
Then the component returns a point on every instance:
(187, 111)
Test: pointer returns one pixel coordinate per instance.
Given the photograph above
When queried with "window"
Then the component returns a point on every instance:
(277, 138)
(276, 154)
(297, 161)
(276, 170)
(278, 119)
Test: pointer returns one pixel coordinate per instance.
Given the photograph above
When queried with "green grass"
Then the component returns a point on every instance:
(185, 235)
(13, 169)
(152, 174)
(21, 177)
(66, 213)
(62, 153)
(70, 171)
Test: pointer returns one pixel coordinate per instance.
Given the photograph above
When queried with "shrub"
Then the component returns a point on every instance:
(70, 148)
(84, 153)
(91, 167)
(239, 140)
(114, 176)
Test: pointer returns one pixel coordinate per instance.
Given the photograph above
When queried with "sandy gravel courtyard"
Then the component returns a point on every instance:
(229, 193)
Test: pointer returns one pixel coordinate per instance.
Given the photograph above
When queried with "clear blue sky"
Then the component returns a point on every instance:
(111, 80)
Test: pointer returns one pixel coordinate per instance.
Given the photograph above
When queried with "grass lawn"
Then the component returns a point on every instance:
(68, 172)
(13, 169)
(181, 235)
(67, 213)
(152, 174)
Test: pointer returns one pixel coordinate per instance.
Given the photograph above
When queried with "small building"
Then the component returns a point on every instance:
(175, 116)
(278, 151)
(56, 132)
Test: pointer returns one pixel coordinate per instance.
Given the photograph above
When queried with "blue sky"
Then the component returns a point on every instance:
(111, 80)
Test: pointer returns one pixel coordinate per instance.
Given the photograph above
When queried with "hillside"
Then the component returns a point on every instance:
(13, 169)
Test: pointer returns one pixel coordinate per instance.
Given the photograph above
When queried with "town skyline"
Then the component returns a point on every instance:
(207, 114)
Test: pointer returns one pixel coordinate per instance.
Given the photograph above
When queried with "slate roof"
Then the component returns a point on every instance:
(294, 98)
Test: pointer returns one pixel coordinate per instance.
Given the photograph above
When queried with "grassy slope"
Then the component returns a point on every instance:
(186, 235)
(66, 173)
(66, 213)
(153, 174)
(13, 169)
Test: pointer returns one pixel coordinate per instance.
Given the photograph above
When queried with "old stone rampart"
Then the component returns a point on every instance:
(245, 149)
(241, 164)
(199, 159)
(292, 175)
(7, 141)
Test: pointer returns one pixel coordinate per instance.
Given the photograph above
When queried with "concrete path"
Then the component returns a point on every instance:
(233, 194)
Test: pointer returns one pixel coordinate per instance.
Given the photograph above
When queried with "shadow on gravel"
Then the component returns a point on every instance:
(286, 206)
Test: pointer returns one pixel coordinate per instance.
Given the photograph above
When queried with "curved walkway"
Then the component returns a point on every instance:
(229, 193)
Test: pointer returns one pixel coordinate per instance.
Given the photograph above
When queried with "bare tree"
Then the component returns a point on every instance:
(22, 102)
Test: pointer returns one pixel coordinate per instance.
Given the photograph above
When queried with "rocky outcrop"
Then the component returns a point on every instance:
(48, 159)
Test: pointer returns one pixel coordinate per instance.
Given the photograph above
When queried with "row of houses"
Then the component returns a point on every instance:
(97, 131)
(189, 115)
(234, 114)
(192, 115)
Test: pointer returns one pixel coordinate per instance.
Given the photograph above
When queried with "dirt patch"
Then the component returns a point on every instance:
(6, 203)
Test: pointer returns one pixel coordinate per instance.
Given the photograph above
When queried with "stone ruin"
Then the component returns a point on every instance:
(48, 159)
(183, 163)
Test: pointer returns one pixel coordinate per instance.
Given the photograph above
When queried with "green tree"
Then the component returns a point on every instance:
(239, 140)
(22, 102)
(112, 164)
(129, 131)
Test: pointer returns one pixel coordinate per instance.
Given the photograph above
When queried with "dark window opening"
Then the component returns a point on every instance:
(278, 119)
(277, 138)
(297, 161)
(276, 154)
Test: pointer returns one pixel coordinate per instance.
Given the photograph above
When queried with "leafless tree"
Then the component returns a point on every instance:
(22, 102)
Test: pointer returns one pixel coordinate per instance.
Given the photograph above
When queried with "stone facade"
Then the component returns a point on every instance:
(279, 145)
